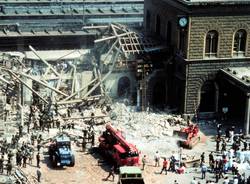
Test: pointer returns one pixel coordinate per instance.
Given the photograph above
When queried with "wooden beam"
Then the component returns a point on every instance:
(34, 51)
(42, 83)
(104, 78)
(111, 48)
(65, 55)
(85, 117)
(79, 100)
(4, 80)
(75, 93)
(95, 86)
(27, 85)
(94, 27)
(112, 37)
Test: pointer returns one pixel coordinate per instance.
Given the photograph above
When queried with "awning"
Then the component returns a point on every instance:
(239, 76)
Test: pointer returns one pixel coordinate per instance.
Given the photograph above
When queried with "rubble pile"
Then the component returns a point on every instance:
(148, 131)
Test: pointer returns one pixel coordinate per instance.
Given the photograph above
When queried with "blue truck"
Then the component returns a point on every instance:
(60, 152)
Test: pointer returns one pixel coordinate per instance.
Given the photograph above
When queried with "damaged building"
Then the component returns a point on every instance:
(58, 24)
(209, 72)
(189, 57)
(60, 36)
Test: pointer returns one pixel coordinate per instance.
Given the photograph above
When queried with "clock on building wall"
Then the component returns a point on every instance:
(183, 22)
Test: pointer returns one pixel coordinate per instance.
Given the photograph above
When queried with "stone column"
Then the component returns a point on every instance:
(247, 114)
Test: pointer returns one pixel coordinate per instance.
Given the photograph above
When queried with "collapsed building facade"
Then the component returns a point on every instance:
(57, 54)
(209, 72)
(48, 54)
(34, 29)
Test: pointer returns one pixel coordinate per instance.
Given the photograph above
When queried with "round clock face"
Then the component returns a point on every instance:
(183, 21)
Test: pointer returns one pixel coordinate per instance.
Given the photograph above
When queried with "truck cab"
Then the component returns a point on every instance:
(60, 152)
(130, 175)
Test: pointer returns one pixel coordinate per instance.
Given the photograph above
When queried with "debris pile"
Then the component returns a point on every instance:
(148, 131)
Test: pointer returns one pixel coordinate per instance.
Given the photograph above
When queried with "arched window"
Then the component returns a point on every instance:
(240, 43)
(148, 17)
(211, 46)
(158, 25)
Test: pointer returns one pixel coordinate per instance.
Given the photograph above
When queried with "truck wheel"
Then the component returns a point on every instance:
(72, 163)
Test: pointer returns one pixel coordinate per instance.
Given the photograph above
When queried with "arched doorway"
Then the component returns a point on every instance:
(123, 89)
(208, 97)
(159, 95)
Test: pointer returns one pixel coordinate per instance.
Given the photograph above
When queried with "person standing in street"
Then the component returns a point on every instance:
(143, 162)
(39, 174)
(24, 160)
(1, 165)
(38, 160)
(203, 157)
(157, 159)
(111, 173)
(217, 144)
(203, 171)
(164, 166)
(211, 161)
(9, 168)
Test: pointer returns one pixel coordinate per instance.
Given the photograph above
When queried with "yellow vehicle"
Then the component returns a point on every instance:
(130, 175)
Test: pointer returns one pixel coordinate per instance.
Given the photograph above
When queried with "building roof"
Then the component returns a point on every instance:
(238, 75)
(69, 1)
(25, 18)
(217, 2)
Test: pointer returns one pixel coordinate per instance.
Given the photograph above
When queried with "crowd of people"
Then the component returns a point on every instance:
(20, 152)
(222, 164)
(225, 160)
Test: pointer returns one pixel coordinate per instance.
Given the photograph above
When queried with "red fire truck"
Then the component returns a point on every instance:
(114, 145)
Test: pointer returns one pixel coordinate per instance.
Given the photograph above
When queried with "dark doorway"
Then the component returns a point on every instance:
(159, 95)
(234, 99)
(208, 97)
(158, 25)
(148, 17)
(123, 87)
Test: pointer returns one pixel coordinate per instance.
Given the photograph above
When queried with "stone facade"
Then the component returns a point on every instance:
(226, 26)
(192, 69)
(198, 73)
(167, 14)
